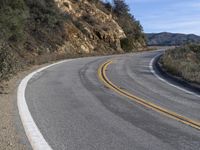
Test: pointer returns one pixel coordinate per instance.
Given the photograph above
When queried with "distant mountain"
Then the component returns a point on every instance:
(171, 39)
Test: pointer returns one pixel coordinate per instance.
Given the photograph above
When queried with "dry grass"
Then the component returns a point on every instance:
(184, 62)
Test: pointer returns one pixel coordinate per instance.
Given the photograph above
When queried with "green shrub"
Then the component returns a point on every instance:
(132, 27)
(13, 15)
(8, 62)
(127, 44)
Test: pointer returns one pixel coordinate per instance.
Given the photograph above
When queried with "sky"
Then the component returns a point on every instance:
(177, 16)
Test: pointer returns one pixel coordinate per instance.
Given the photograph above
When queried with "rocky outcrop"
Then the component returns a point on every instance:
(91, 29)
(40, 31)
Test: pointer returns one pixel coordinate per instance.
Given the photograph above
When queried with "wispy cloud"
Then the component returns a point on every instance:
(167, 15)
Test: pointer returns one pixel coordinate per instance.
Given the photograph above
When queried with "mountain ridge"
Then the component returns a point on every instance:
(171, 39)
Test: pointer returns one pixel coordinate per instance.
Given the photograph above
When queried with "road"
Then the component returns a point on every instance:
(74, 109)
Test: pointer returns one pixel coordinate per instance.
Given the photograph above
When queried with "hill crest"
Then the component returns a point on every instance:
(171, 39)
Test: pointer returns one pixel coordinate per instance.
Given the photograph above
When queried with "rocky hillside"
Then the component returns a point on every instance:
(37, 31)
(91, 29)
(171, 39)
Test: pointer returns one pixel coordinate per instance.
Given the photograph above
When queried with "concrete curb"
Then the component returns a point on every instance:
(33, 133)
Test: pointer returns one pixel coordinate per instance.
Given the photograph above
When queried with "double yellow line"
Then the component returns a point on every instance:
(102, 76)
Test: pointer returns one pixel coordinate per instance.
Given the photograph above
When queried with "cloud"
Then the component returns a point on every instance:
(167, 15)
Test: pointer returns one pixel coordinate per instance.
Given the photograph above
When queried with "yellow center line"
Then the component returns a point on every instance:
(103, 77)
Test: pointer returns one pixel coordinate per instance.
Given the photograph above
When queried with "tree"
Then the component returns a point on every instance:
(120, 7)
(132, 28)
(108, 6)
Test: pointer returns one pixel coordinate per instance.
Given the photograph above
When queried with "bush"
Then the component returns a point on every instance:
(45, 13)
(127, 44)
(184, 62)
(13, 15)
(89, 19)
(8, 63)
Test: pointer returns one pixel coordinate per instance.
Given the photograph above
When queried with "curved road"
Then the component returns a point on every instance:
(74, 110)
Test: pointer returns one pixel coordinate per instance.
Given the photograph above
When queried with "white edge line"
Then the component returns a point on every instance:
(34, 135)
(167, 82)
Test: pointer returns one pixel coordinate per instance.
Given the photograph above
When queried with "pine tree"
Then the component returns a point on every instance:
(132, 28)
(120, 7)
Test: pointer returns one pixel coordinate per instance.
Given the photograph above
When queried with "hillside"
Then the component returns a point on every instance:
(171, 39)
(38, 31)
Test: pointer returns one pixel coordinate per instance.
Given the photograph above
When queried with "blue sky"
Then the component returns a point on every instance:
(179, 16)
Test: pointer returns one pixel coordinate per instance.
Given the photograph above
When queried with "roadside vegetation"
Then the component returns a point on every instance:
(23, 26)
(134, 31)
(184, 62)
(135, 37)
(34, 31)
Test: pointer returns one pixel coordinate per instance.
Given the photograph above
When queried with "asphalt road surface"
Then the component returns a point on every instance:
(74, 110)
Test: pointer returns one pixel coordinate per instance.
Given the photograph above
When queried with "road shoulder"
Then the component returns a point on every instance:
(177, 81)
(12, 135)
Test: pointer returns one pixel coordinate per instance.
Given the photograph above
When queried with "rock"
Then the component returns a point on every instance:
(85, 48)
(98, 27)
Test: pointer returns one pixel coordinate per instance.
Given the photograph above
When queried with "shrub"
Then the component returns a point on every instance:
(127, 44)
(89, 19)
(13, 16)
(8, 63)
(183, 61)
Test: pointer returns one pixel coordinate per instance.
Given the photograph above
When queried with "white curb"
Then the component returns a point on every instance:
(34, 135)
(167, 82)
